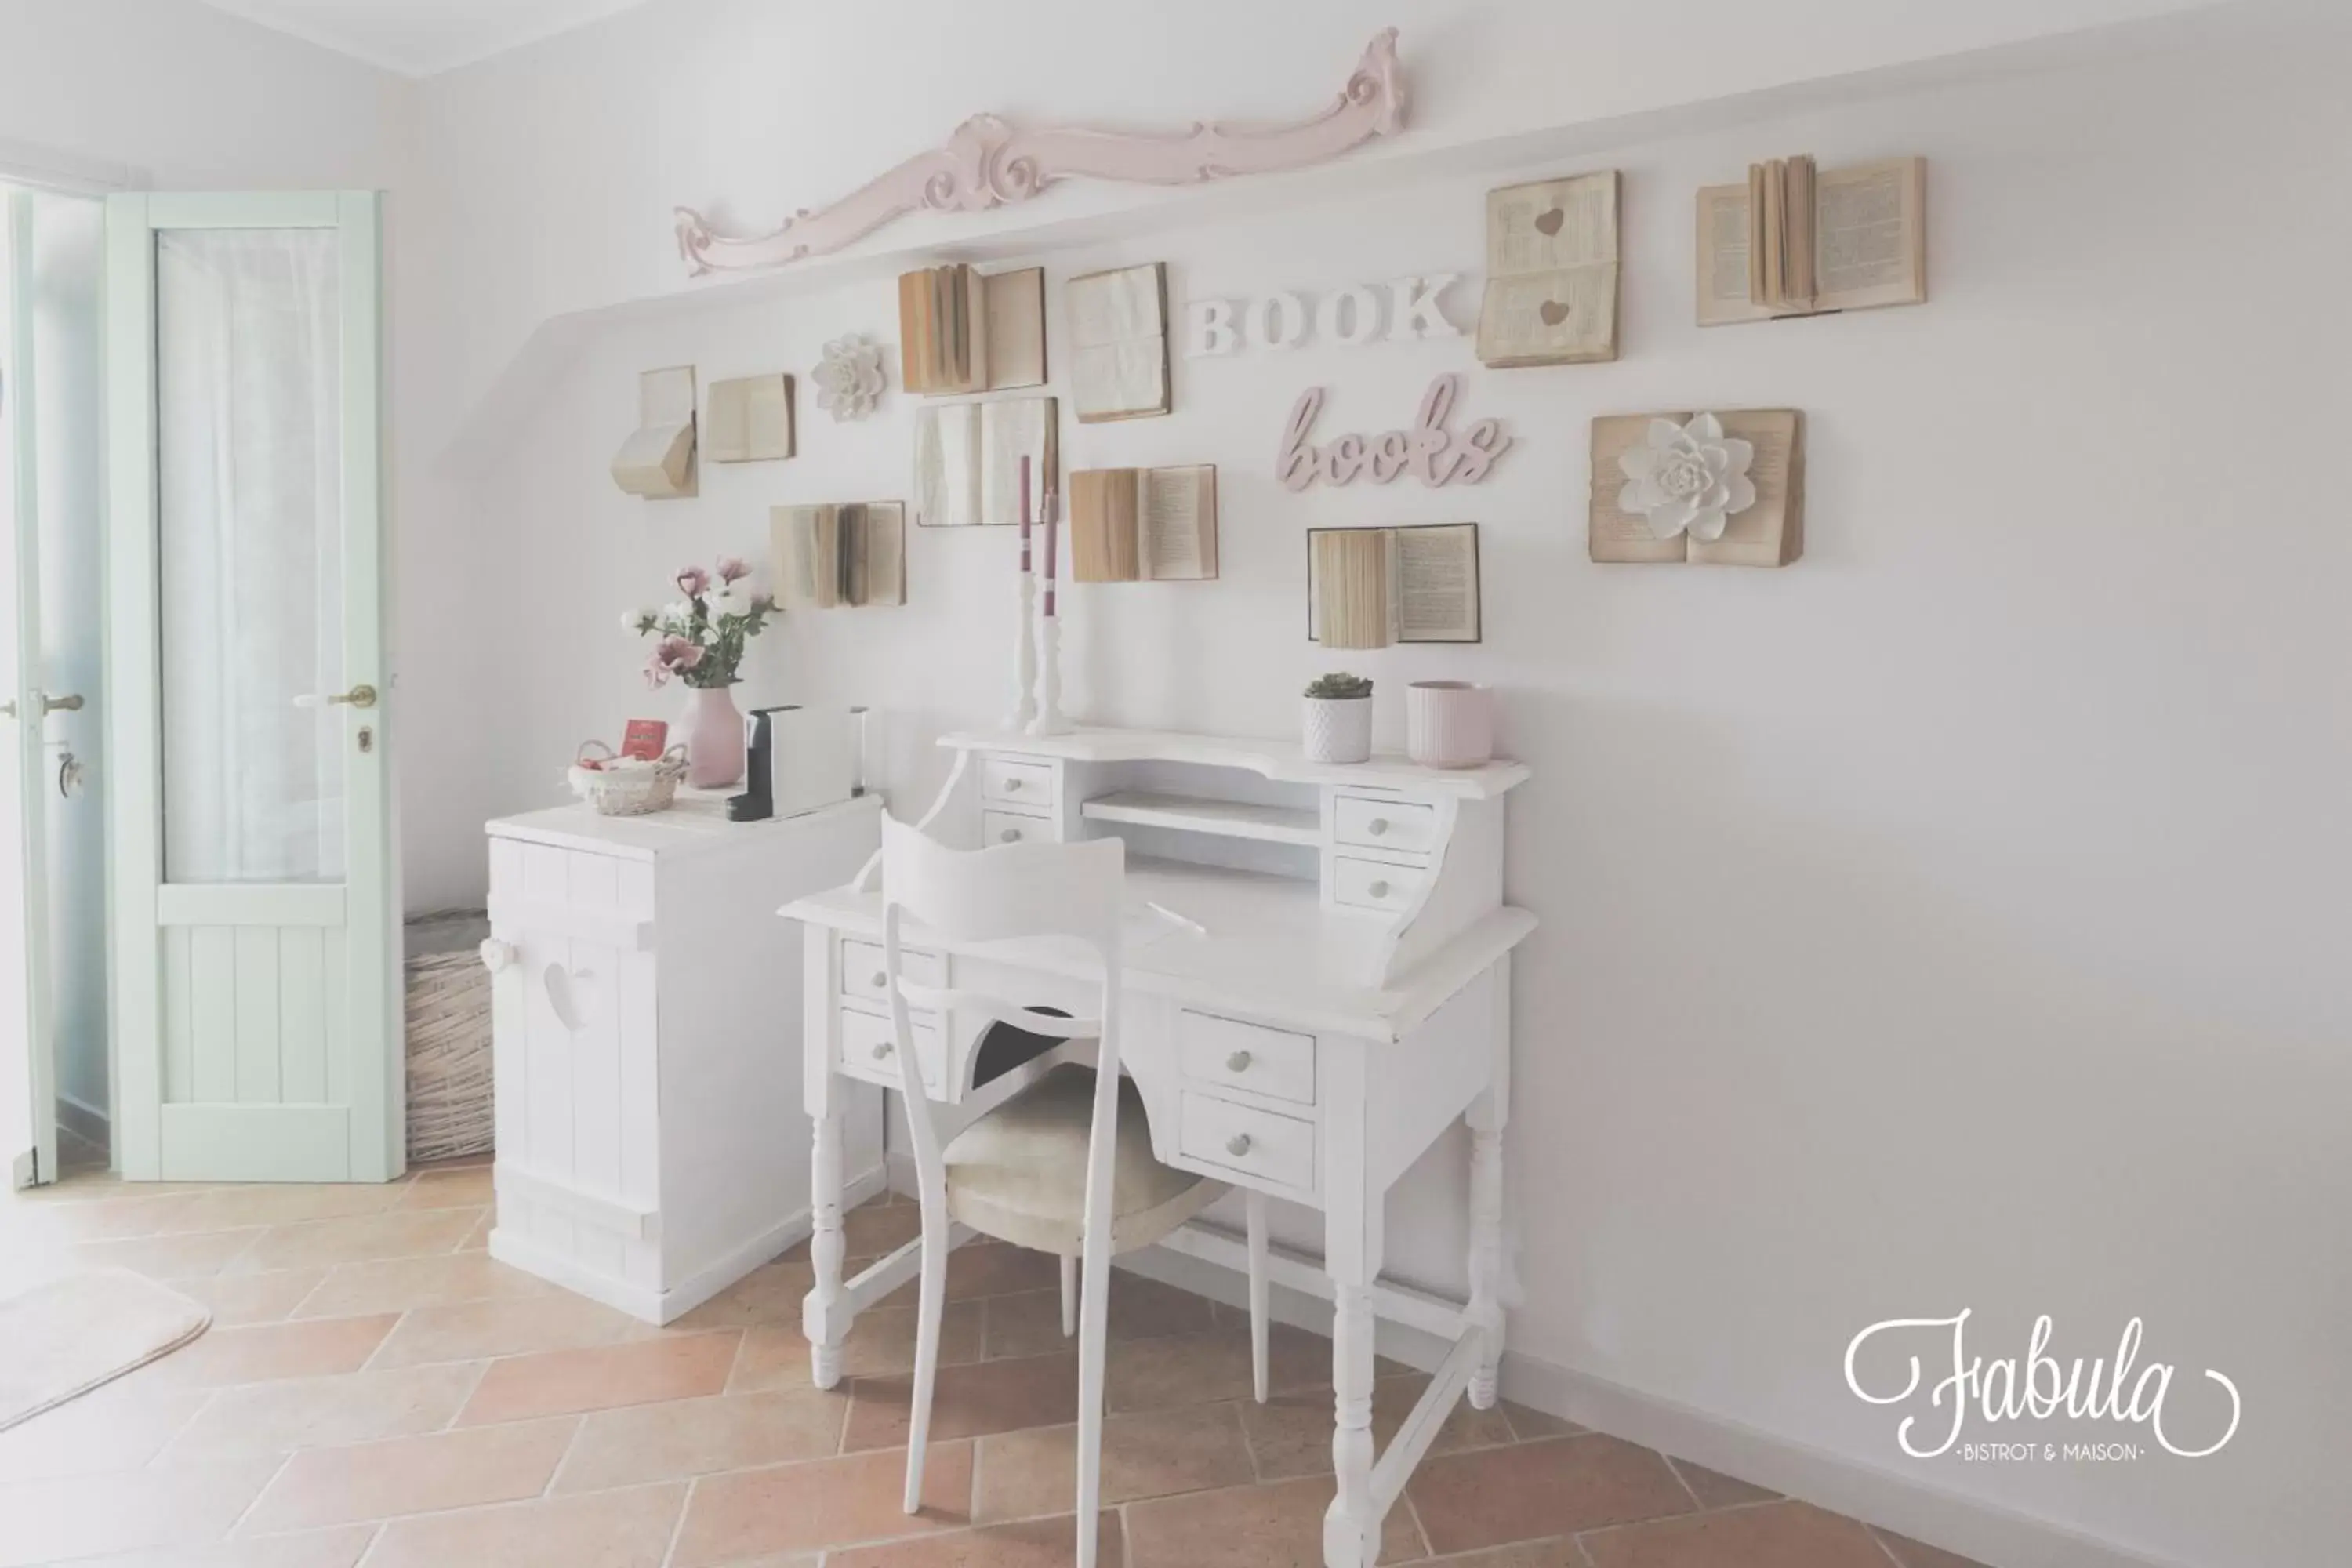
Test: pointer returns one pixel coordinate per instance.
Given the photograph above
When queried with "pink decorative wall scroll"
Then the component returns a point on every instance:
(987, 163)
(1434, 454)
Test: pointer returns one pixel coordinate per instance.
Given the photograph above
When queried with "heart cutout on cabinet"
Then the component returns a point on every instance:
(1548, 223)
(1552, 312)
(570, 996)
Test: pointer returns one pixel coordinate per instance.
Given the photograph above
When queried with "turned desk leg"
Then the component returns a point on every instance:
(821, 1317)
(1351, 1529)
(1486, 1116)
(1353, 1239)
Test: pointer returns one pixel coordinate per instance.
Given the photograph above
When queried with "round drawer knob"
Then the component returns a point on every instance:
(881, 1050)
(1010, 836)
(881, 980)
(1378, 890)
(497, 955)
(1377, 826)
(1238, 1145)
(1011, 786)
(1238, 1062)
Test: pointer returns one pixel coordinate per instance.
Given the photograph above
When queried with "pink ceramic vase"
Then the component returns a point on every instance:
(714, 738)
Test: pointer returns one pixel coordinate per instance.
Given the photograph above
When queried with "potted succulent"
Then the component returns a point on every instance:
(1338, 718)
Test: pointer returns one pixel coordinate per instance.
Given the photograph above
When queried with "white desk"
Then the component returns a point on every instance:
(1348, 999)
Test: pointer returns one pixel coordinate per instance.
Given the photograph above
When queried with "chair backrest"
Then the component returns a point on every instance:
(993, 895)
(1011, 890)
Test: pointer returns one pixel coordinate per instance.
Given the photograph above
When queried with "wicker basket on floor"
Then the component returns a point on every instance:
(448, 1008)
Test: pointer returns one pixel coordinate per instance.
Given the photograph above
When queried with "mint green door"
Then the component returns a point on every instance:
(28, 1127)
(255, 1004)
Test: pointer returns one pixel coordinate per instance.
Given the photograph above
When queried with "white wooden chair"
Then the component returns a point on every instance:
(1063, 1165)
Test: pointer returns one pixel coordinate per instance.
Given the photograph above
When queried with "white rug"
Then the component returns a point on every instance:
(65, 1337)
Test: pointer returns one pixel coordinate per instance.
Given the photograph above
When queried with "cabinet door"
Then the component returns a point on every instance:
(577, 1056)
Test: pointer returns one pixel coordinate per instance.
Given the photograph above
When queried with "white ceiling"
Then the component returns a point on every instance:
(418, 37)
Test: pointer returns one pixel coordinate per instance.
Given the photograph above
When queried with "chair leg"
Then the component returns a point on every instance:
(1257, 1292)
(930, 1305)
(1094, 1300)
(1069, 1297)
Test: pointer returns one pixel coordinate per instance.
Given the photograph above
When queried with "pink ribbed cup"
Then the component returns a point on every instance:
(1449, 723)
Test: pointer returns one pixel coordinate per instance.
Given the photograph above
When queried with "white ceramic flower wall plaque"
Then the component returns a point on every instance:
(1688, 479)
(849, 377)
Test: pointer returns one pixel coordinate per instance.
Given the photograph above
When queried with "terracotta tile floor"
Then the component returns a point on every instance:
(378, 1393)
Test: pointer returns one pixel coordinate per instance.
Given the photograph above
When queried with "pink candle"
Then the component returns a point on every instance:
(1024, 511)
(1053, 516)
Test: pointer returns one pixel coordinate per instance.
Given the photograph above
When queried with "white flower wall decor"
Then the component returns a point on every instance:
(849, 377)
(1687, 478)
(1710, 489)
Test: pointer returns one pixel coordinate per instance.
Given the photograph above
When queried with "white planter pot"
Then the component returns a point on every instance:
(1337, 729)
(1449, 723)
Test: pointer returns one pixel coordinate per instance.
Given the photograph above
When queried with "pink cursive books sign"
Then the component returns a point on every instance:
(1434, 454)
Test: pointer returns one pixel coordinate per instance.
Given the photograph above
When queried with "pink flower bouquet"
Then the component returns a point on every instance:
(702, 636)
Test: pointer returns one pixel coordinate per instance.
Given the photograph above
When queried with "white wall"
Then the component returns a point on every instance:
(547, 178)
(561, 162)
(1948, 921)
(195, 98)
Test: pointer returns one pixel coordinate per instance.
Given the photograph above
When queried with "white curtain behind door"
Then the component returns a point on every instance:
(249, 480)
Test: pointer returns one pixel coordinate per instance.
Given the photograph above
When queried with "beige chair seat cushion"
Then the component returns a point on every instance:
(1019, 1174)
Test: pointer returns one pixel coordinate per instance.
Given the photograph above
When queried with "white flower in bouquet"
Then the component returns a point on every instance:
(639, 620)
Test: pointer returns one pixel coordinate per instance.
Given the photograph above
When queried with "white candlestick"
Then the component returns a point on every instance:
(1049, 720)
(1024, 656)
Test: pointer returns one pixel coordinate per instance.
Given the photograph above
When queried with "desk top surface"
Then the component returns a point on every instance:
(697, 824)
(1270, 948)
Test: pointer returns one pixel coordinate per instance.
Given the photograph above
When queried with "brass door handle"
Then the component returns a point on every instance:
(362, 696)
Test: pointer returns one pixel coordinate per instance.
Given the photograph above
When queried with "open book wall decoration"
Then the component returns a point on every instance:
(657, 461)
(1370, 587)
(1794, 240)
(961, 330)
(988, 162)
(1434, 453)
(1119, 342)
(1143, 525)
(968, 460)
(839, 556)
(1551, 273)
(1723, 488)
(749, 420)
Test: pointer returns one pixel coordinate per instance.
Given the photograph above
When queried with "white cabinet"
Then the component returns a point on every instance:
(652, 1147)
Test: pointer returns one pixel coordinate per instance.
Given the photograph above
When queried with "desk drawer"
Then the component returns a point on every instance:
(1376, 823)
(863, 978)
(1007, 782)
(870, 1051)
(1374, 884)
(1244, 1139)
(1225, 1051)
(1011, 827)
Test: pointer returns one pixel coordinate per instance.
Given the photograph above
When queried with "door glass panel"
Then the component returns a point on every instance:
(249, 508)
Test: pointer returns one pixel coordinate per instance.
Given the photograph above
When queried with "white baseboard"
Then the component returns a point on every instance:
(664, 1307)
(1886, 1498)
